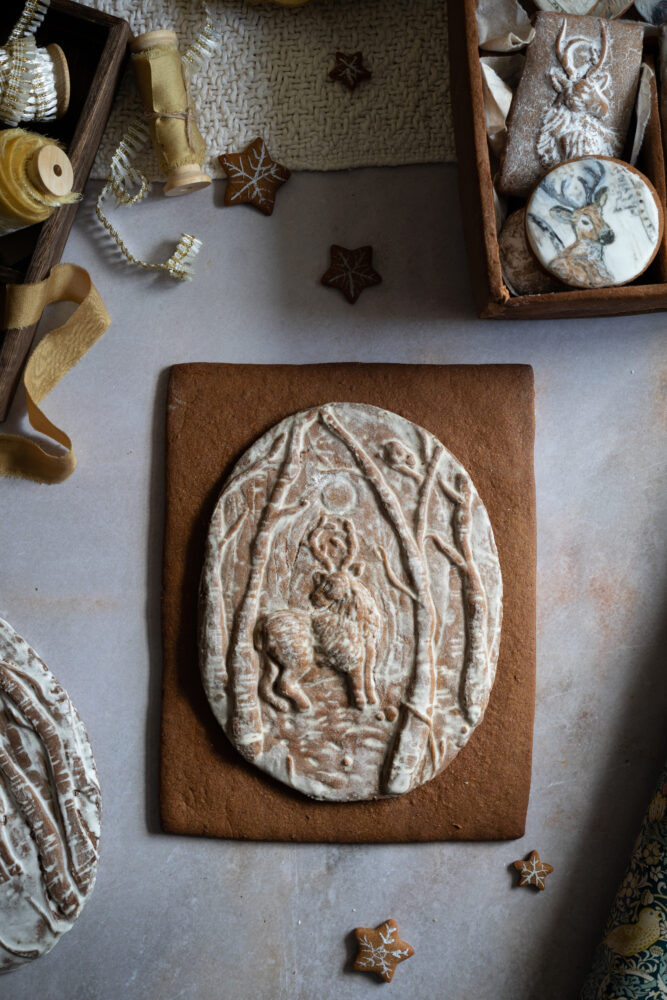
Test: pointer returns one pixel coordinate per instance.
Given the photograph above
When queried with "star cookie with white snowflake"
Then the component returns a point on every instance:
(351, 271)
(381, 950)
(253, 176)
(350, 70)
(533, 870)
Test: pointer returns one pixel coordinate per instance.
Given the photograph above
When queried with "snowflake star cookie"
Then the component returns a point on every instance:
(254, 176)
(350, 70)
(533, 870)
(351, 271)
(381, 950)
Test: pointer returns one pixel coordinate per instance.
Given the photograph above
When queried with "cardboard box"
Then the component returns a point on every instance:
(476, 170)
(94, 45)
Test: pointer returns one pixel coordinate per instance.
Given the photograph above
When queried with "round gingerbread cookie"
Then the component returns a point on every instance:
(49, 806)
(350, 605)
(521, 272)
(594, 222)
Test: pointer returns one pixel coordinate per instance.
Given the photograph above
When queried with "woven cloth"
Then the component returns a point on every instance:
(271, 79)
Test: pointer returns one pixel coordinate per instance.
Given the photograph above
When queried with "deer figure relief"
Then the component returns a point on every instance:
(581, 263)
(575, 123)
(341, 632)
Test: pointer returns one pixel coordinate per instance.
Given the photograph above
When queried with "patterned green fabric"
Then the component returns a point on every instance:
(631, 961)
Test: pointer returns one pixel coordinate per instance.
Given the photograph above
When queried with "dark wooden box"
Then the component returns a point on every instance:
(493, 300)
(94, 45)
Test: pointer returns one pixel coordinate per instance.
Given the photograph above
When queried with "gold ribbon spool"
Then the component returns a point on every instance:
(163, 86)
(36, 177)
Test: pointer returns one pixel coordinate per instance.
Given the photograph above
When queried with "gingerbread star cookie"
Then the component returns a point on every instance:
(349, 69)
(381, 950)
(254, 176)
(533, 870)
(351, 271)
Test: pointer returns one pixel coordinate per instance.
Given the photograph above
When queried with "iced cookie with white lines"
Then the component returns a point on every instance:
(380, 950)
(533, 871)
(253, 177)
(49, 806)
(350, 605)
(594, 223)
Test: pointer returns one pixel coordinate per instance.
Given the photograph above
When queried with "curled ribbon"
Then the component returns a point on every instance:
(54, 356)
(125, 184)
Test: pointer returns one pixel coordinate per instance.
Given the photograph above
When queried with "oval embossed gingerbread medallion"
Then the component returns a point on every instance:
(350, 606)
(49, 806)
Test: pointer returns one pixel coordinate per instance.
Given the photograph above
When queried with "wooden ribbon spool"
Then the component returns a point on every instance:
(36, 177)
(34, 82)
(163, 86)
(60, 77)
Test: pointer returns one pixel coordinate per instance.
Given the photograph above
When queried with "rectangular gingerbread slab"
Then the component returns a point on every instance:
(484, 415)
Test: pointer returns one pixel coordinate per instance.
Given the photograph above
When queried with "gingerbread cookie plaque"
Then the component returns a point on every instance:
(351, 603)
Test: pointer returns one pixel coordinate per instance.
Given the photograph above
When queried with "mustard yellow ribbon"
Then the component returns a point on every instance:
(53, 357)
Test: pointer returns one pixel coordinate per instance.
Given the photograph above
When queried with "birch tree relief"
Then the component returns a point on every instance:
(49, 806)
(350, 604)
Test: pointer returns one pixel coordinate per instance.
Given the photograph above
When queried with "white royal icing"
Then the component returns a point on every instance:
(351, 602)
(49, 806)
(594, 223)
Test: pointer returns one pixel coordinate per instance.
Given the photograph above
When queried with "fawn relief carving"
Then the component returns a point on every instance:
(350, 604)
(594, 223)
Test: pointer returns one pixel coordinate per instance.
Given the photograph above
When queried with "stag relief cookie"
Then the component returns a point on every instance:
(350, 604)
(575, 97)
(594, 223)
(49, 806)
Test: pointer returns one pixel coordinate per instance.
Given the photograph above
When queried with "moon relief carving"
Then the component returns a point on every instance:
(350, 604)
